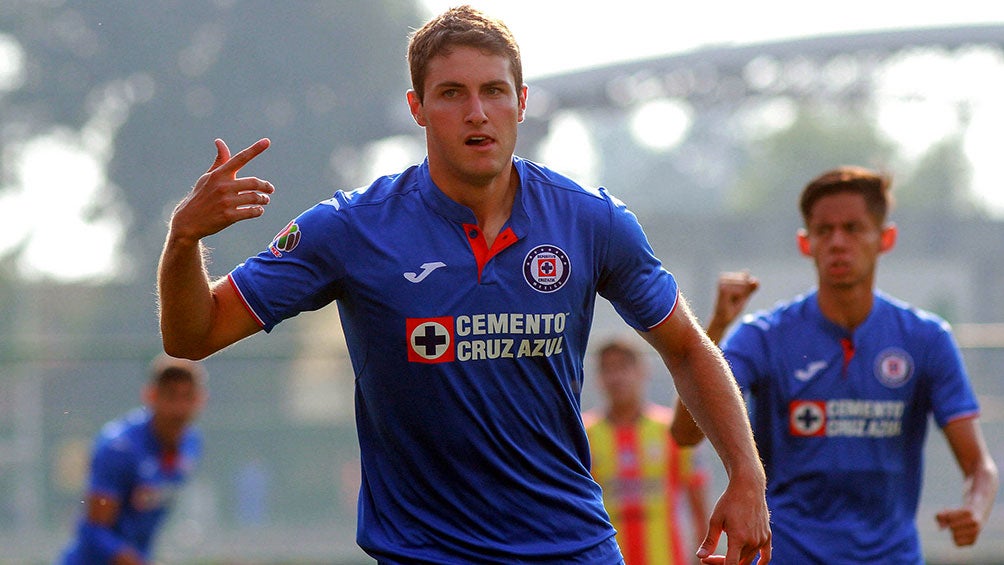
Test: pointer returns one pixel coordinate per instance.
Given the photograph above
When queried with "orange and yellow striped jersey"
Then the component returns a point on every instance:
(643, 474)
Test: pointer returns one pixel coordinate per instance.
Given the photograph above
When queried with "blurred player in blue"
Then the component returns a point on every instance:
(138, 465)
(841, 382)
(466, 287)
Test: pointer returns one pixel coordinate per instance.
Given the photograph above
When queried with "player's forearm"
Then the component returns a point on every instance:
(713, 400)
(184, 296)
(683, 428)
(716, 328)
(981, 488)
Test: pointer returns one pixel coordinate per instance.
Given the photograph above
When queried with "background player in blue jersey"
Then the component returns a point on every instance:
(139, 463)
(466, 286)
(841, 382)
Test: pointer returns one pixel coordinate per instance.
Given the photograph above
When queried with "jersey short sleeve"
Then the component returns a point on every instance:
(633, 279)
(111, 468)
(952, 396)
(298, 271)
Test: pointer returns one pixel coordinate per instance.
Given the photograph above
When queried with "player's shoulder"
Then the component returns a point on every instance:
(910, 316)
(381, 190)
(122, 434)
(659, 414)
(543, 181)
(792, 311)
(591, 418)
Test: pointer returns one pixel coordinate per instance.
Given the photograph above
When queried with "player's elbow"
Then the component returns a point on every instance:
(686, 433)
(184, 350)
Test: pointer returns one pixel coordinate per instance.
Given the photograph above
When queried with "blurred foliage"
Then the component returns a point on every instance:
(940, 180)
(778, 166)
(315, 76)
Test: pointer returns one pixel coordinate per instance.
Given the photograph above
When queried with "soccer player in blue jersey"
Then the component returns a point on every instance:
(841, 382)
(138, 464)
(466, 287)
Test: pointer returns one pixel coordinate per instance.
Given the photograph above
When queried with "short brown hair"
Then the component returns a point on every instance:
(619, 346)
(166, 369)
(874, 186)
(460, 26)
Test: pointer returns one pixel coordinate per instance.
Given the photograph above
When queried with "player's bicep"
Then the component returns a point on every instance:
(233, 319)
(965, 438)
(679, 336)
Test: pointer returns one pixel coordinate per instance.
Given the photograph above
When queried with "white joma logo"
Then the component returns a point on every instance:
(810, 371)
(426, 269)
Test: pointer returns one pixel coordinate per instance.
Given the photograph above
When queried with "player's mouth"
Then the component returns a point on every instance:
(478, 141)
(838, 267)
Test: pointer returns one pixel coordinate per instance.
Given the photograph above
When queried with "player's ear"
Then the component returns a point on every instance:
(521, 95)
(889, 234)
(415, 105)
(802, 237)
(149, 394)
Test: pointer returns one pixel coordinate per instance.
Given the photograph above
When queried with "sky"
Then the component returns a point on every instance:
(560, 35)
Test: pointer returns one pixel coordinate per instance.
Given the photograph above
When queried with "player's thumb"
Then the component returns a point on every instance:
(222, 154)
(946, 517)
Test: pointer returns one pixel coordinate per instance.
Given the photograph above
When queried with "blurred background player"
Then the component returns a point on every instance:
(138, 464)
(842, 381)
(646, 477)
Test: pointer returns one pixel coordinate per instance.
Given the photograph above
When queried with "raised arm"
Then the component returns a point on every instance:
(734, 292)
(199, 317)
(705, 384)
(981, 481)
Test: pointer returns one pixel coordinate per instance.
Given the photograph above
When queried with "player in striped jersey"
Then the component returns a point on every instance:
(647, 478)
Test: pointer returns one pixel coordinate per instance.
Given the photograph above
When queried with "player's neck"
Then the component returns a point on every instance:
(624, 414)
(847, 307)
(490, 201)
(492, 205)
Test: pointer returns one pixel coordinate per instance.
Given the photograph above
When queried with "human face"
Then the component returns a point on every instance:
(470, 112)
(622, 378)
(174, 404)
(844, 240)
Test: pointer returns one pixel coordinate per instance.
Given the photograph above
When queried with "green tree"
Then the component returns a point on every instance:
(941, 181)
(778, 166)
(315, 76)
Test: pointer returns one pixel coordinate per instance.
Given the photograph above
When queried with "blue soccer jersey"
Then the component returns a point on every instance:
(128, 466)
(468, 359)
(840, 420)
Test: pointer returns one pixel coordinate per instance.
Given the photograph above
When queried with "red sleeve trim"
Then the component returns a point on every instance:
(244, 300)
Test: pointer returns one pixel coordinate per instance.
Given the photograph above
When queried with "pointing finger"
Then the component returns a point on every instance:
(235, 163)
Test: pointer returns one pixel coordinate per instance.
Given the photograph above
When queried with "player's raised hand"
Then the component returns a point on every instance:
(219, 198)
(734, 291)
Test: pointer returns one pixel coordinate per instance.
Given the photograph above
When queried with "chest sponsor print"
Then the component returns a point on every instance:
(430, 340)
(475, 337)
(807, 418)
(848, 417)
